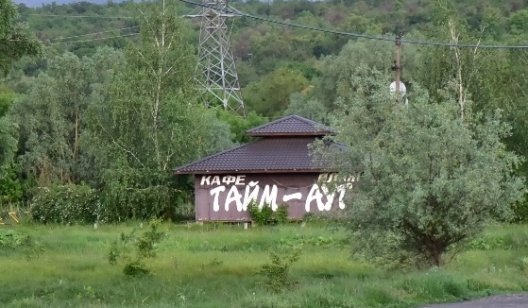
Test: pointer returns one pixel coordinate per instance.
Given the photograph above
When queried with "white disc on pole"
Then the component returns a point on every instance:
(402, 89)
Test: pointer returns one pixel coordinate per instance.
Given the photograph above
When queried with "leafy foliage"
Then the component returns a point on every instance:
(15, 42)
(270, 96)
(118, 119)
(66, 204)
(12, 239)
(427, 177)
(277, 273)
(134, 250)
(264, 215)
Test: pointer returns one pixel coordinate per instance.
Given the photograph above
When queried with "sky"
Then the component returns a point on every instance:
(37, 3)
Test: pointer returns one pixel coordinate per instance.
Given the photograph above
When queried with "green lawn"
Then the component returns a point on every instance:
(217, 265)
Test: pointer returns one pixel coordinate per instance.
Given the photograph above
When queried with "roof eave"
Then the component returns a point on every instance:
(297, 134)
(254, 171)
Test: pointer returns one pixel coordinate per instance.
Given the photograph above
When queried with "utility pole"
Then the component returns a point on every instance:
(398, 64)
(216, 71)
(399, 87)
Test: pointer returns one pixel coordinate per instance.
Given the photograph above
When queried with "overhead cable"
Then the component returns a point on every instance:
(90, 34)
(97, 39)
(80, 16)
(360, 35)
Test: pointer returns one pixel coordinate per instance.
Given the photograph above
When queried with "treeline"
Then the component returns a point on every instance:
(101, 119)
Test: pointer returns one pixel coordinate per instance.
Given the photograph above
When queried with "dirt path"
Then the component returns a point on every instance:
(500, 301)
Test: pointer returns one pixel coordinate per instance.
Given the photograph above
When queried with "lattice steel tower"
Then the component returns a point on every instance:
(216, 70)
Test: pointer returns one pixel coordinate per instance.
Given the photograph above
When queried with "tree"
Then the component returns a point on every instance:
(7, 141)
(427, 179)
(305, 106)
(51, 119)
(15, 42)
(270, 96)
(151, 121)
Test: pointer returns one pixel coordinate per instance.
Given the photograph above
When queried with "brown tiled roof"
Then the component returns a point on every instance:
(267, 155)
(292, 125)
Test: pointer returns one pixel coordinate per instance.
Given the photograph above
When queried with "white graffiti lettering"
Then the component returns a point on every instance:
(208, 180)
(233, 191)
(314, 194)
(240, 180)
(215, 192)
(329, 198)
(228, 179)
(294, 196)
(341, 189)
(269, 196)
(233, 195)
(215, 180)
(250, 194)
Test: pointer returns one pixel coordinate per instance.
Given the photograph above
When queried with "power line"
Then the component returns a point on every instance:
(89, 34)
(80, 16)
(360, 35)
(283, 23)
(97, 39)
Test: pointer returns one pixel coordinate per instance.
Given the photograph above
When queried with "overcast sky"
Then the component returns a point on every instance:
(35, 3)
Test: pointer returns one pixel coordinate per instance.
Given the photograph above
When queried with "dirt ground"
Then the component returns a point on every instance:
(501, 301)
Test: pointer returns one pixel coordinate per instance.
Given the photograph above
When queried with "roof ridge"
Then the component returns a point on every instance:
(312, 127)
(306, 120)
(213, 156)
(272, 122)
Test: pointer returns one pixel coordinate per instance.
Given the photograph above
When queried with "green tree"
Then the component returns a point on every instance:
(7, 140)
(427, 179)
(15, 41)
(308, 107)
(10, 190)
(151, 121)
(51, 119)
(270, 96)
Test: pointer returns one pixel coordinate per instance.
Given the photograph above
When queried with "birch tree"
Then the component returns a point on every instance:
(151, 121)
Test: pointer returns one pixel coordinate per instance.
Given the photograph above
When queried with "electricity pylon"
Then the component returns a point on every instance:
(216, 71)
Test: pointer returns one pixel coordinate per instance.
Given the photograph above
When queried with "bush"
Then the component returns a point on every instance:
(12, 239)
(122, 203)
(134, 250)
(520, 212)
(266, 216)
(281, 215)
(277, 272)
(69, 204)
(65, 204)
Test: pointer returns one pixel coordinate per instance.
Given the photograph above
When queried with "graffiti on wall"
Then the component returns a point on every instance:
(237, 192)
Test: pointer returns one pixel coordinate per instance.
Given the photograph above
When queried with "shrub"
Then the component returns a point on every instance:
(134, 250)
(122, 203)
(281, 215)
(277, 272)
(520, 212)
(266, 216)
(65, 204)
(13, 241)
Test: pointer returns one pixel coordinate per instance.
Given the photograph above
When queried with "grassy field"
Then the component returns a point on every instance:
(217, 266)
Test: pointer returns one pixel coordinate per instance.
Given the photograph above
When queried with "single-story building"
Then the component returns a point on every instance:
(275, 169)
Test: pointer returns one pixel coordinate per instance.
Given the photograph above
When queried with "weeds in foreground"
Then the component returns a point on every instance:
(277, 272)
(15, 241)
(266, 216)
(134, 250)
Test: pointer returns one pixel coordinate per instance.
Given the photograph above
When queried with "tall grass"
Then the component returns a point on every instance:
(217, 265)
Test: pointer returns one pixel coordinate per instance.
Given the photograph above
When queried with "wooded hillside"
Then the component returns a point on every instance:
(102, 112)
